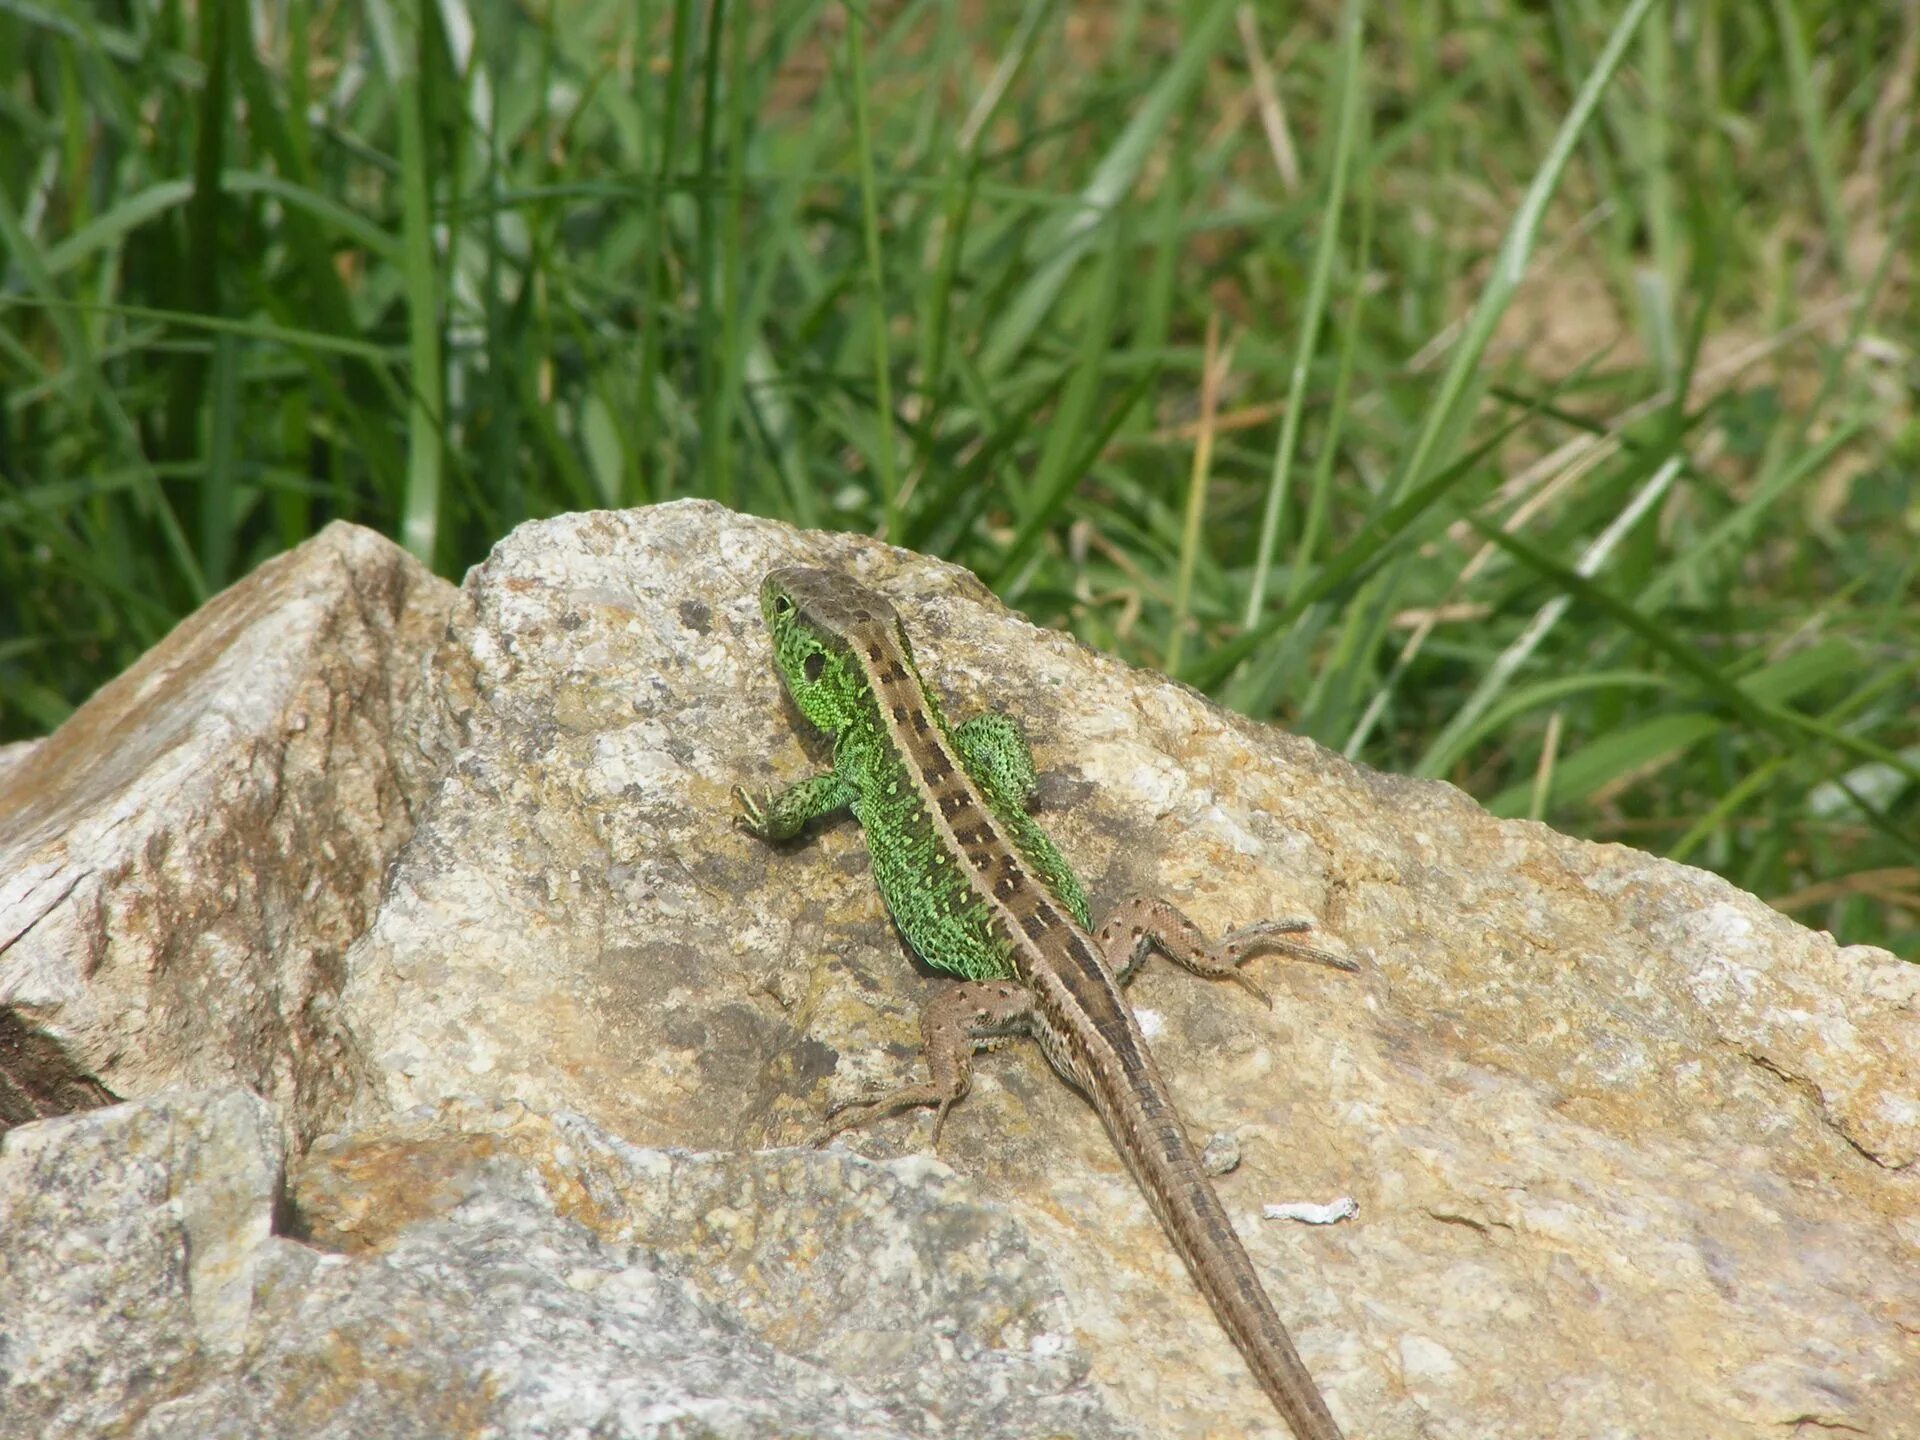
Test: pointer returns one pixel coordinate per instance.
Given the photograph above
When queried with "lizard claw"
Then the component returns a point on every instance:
(1270, 935)
(857, 1110)
(835, 1125)
(753, 816)
(1246, 982)
(830, 1128)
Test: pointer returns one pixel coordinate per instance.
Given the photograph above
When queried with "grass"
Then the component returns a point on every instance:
(1518, 394)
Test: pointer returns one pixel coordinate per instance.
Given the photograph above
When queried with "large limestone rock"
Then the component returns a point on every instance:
(449, 881)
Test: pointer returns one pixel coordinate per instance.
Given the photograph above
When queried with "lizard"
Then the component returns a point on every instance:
(980, 892)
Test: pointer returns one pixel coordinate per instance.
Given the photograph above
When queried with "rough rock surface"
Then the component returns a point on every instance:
(1633, 1154)
(503, 1273)
(184, 862)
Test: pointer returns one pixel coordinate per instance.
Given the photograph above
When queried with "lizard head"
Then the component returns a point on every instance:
(817, 618)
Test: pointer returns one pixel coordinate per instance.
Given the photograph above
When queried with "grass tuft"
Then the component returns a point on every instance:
(1519, 394)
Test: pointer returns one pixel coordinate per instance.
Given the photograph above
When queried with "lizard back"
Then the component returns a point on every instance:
(943, 832)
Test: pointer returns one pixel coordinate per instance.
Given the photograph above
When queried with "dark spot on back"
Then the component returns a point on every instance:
(1035, 925)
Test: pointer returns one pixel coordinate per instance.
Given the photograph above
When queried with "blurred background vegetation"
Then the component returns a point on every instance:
(1517, 393)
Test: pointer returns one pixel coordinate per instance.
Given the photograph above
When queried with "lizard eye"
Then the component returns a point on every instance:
(782, 604)
(812, 666)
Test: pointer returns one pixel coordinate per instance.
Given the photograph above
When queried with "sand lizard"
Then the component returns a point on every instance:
(979, 891)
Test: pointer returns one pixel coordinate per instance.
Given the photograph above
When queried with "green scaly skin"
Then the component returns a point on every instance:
(931, 901)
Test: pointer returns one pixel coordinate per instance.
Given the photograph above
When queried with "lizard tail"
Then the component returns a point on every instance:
(1139, 1114)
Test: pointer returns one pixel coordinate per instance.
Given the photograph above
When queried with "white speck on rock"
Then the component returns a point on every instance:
(1425, 1359)
(1308, 1213)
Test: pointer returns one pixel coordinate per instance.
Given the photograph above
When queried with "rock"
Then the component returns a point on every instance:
(130, 1239)
(532, 1276)
(1632, 1153)
(16, 754)
(184, 862)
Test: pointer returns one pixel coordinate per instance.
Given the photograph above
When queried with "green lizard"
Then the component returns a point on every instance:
(980, 892)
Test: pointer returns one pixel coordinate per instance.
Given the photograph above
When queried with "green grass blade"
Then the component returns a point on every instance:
(420, 508)
(1348, 92)
(1370, 547)
(1065, 241)
(1510, 264)
(876, 276)
(1813, 135)
(1714, 685)
(1447, 746)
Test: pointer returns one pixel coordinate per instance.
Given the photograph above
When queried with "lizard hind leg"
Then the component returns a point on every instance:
(1141, 924)
(964, 1017)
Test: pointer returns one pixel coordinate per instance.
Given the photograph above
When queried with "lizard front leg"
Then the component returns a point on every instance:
(1141, 924)
(780, 815)
(959, 1020)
